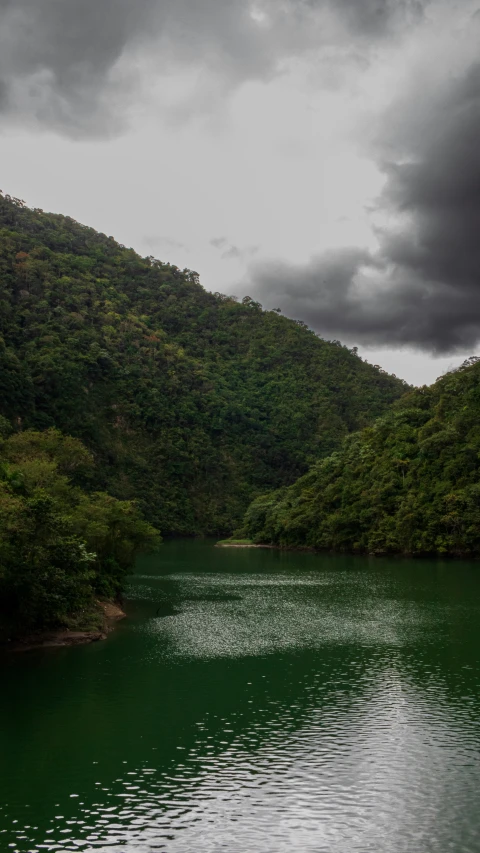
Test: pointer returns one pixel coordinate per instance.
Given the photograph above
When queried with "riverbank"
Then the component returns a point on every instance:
(394, 555)
(94, 626)
(240, 543)
(247, 543)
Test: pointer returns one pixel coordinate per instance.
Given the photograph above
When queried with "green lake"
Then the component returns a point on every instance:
(255, 701)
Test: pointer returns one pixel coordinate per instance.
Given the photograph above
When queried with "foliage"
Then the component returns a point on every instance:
(190, 402)
(408, 484)
(59, 546)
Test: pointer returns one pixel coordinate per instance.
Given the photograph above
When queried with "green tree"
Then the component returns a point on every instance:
(59, 545)
(191, 402)
(408, 484)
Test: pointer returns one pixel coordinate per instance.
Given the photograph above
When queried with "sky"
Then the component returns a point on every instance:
(320, 156)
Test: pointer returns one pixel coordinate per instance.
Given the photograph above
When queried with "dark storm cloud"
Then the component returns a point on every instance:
(379, 17)
(422, 287)
(56, 56)
(70, 64)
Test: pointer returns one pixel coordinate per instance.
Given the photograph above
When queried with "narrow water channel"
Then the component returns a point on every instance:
(255, 702)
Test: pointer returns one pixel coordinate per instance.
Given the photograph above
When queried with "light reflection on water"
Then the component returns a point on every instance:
(282, 703)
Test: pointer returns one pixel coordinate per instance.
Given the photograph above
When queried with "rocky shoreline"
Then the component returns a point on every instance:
(112, 613)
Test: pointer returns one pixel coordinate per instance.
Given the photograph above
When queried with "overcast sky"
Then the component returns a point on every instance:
(321, 156)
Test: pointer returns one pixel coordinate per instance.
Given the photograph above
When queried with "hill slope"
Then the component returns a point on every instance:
(408, 484)
(191, 402)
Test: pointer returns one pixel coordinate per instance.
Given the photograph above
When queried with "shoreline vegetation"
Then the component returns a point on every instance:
(309, 549)
(90, 628)
(408, 485)
(63, 548)
(134, 403)
(243, 543)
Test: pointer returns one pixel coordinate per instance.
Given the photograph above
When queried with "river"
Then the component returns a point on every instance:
(255, 701)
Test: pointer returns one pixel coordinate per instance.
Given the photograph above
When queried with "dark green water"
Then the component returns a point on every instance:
(255, 702)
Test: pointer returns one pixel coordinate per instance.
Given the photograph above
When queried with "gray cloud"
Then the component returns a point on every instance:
(70, 65)
(422, 286)
(219, 242)
(231, 252)
(379, 17)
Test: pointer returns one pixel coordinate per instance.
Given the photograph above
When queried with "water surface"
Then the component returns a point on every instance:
(255, 702)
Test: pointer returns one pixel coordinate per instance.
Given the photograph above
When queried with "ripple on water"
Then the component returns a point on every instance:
(280, 613)
(385, 772)
(370, 746)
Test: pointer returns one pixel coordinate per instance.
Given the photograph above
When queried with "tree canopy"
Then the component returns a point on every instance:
(191, 402)
(409, 483)
(59, 545)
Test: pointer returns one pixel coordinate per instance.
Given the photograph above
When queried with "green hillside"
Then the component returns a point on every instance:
(190, 402)
(61, 545)
(408, 484)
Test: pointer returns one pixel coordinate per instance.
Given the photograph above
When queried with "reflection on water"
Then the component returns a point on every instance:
(255, 702)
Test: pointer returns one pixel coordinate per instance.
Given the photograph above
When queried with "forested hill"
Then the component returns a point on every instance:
(408, 484)
(191, 402)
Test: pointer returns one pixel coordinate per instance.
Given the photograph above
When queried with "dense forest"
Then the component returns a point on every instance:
(61, 544)
(133, 401)
(191, 403)
(408, 484)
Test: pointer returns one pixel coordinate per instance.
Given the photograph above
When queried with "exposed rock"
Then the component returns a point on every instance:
(113, 612)
(56, 639)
